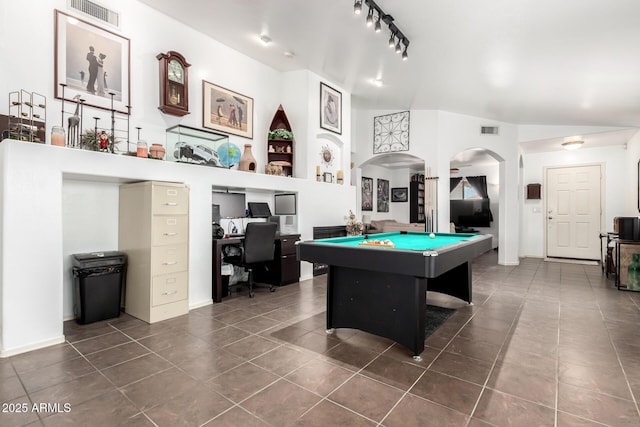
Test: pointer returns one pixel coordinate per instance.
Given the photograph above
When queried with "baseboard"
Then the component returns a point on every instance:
(200, 304)
(36, 346)
(573, 261)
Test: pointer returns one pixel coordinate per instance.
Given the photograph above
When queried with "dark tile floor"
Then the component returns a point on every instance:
(545, 344)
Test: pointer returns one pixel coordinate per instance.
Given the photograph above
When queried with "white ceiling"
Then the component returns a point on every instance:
(568, 62)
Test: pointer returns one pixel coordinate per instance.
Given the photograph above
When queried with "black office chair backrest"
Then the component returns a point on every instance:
(259, 241)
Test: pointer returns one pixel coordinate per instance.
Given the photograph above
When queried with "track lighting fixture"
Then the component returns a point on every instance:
(397, 40)
(357, 7)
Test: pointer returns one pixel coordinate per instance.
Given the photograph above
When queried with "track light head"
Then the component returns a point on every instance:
(378, 26)
(398, 47)
(404, 54)
(357, 7)
(392, 40)
(370, 17)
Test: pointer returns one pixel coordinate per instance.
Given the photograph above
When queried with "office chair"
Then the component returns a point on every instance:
(256, 250)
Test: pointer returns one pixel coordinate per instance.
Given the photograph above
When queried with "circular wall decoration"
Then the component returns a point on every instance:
(326, 155)
(391, 133)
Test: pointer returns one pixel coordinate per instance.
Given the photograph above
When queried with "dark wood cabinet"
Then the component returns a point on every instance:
(285, 268)
(416, 201)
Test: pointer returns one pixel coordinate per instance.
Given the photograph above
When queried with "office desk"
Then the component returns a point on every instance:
(283, 270)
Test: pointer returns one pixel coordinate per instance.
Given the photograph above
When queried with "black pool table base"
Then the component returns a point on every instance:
(389, 305)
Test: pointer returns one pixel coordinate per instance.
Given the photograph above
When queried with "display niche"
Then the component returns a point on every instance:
(280, 144)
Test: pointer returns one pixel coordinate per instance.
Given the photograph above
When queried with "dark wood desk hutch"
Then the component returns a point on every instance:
(283, 270)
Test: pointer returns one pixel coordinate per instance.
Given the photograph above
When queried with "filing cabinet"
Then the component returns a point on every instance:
(154, 233)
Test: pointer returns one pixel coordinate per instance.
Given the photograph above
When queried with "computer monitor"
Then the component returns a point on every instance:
(259, 210)
(285, 204)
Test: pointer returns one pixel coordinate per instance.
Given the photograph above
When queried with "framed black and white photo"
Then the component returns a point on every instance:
(400, 194)
(92, 62)
(367, 194)
(330, 109)
(383, 195)
(391, 133)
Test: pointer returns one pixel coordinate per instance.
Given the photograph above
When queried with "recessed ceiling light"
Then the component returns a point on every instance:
(377, 82)
(265, 39)
(289, 54)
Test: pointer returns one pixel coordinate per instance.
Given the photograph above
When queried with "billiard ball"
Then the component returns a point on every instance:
(433, 236)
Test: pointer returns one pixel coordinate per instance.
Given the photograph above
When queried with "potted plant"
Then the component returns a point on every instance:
(280, 134)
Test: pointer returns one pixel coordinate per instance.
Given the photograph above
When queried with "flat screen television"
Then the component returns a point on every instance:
(284, 204)
(470, 213)
(259, 210)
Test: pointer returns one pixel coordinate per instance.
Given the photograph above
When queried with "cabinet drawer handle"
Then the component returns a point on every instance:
(169, 234)
(172, 192)
(170, 263)
(284, 240)
(169, 292)
(171, 204)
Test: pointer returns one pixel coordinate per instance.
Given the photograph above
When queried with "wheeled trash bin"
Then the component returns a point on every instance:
(98, 282)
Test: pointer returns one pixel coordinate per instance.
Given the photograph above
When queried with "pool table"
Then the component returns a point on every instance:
(383, 289)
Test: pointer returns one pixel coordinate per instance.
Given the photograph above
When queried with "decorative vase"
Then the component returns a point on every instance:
(142, 150)
(57, 136)
(633, 278)
(157, 151)
(247, 161)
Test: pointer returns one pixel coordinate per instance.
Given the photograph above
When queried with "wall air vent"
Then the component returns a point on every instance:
(96, 11)
(489, 130)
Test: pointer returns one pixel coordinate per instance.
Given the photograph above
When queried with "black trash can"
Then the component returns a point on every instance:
(98, 281)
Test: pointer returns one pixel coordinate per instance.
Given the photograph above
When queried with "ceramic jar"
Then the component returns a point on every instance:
(247, 161)
(57, 136)
(157, 151)
(142, 150)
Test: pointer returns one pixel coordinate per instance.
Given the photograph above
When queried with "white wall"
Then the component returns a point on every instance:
(616, 195)
(632, 178)
(61, 227)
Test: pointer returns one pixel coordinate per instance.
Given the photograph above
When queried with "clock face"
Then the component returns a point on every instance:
(176, 72)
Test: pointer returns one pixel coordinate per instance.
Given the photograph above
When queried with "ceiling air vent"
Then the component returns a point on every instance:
(489, 130)
(97, 11)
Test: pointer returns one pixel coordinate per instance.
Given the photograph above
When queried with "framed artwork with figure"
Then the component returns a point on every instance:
(92, 63)
(226, 111)
(330, 109)
(383, 195)
(367, 194)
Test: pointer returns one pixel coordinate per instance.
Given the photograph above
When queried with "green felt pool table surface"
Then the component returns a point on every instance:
(414, 241)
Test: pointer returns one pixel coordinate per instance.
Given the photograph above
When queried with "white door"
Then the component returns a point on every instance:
(573, 212)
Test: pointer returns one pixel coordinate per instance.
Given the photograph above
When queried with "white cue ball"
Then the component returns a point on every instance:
(433, 236)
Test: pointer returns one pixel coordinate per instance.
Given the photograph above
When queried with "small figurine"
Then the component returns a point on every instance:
(104, 141)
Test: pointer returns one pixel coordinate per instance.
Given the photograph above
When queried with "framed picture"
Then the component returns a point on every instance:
(400, 194)
(92, 62)
(330, 109)
(367, 194)
(226, 111)
(383, 195)
(391, 133)
(328, 177)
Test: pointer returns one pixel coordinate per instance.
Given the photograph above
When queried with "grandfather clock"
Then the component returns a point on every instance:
(174, 84)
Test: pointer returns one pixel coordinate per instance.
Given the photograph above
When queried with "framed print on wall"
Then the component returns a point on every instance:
(391, 133)
(330, 109)
(383, 195)
(367, 194)
(92, 62)
(400, 194)
(226, 111)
